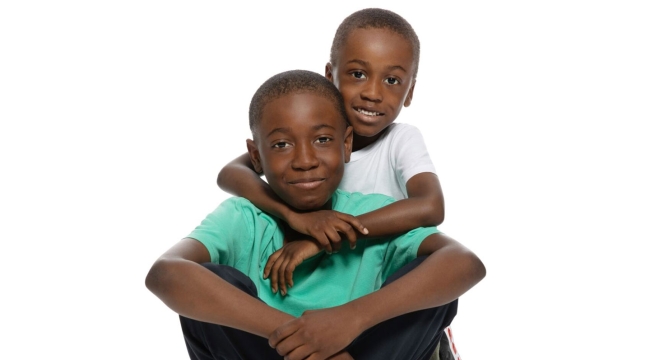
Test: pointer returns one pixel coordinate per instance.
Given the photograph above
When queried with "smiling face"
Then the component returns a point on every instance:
(374, 72)
(301, 144)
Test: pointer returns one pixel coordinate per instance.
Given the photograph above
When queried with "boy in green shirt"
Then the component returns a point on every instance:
(374, 301)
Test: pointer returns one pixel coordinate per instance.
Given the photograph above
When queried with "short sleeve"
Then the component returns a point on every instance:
(410, 154)
(404, 249)
(224, 231)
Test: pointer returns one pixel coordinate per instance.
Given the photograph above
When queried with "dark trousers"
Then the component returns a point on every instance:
(409, 336)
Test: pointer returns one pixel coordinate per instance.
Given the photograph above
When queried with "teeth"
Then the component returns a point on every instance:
(369, 113)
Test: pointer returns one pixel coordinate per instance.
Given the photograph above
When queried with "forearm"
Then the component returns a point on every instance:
(443, 277)
(195, 292)
(238, 179)
(399, 217)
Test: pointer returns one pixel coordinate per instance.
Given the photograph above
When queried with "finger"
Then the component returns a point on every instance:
(335, 239)
(290, 344)
(282, 332)
(349, 233)
(271, 261)
(324, 242)
(275, 271)
(354, 222)
(281, 276)
(299, 353)
(288, 272)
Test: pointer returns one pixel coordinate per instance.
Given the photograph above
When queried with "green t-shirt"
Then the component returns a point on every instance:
(240, 235)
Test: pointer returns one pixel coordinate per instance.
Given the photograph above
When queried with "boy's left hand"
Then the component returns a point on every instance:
(317, 334)
(283, 262)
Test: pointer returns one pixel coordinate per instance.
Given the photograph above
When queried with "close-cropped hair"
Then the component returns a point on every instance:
(374, 18)
(293, 82)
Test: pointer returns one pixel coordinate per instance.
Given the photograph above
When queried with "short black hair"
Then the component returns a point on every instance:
(293, 82)
(374, 18)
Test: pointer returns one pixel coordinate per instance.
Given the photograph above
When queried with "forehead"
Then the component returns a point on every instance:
(378, 44)
(300, 111)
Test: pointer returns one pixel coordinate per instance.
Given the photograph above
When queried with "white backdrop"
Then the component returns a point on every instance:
(117, 116)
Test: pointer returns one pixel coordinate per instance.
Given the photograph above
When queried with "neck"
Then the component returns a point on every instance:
(359, 142)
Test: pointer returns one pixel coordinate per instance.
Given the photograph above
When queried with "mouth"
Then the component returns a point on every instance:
(367, 112)
(307, 184)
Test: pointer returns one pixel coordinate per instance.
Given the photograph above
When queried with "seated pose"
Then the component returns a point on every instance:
(384, 298)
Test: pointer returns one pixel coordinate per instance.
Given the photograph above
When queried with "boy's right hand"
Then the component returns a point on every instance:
(283, 262)
(326, 227)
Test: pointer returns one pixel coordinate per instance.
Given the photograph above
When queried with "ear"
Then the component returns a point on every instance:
(409, 96)
(347, 143)
(254, 153)
(328, 72)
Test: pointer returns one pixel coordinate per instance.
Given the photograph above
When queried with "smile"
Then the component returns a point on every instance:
(367, 112)
(307, 184)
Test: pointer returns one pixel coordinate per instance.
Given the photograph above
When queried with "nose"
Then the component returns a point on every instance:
(304, 157)
(372, 91)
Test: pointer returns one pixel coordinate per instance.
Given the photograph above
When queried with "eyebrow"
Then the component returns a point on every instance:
(365, 63)
(288, 130)
(279, 130)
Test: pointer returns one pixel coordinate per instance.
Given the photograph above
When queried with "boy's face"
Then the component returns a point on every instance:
(374, 73)
(301, 144)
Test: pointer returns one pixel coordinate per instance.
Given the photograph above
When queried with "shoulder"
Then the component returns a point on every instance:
(356, 203)
(399, 137)
(403, 131)
(238, 211)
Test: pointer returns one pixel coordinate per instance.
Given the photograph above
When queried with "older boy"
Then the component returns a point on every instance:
(357, 303)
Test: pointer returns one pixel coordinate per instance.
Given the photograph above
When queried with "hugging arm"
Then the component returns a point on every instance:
(424, 207)
(183, 284)
(448, 271)
(239, 178)
(326, 227)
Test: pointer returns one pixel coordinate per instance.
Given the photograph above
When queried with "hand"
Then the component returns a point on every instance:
(283, 262)
(343, 355)
(316, 335)
(325, 225)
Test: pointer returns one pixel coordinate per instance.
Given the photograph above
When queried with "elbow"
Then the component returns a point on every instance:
(221, 179)
(158, 277)
(434, 214)
(478, 270)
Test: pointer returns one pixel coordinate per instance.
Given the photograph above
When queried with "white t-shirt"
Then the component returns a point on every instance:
(386, 165)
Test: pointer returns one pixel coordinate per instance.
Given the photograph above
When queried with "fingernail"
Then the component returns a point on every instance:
(353, 247)
(365, 231)
(275, 290)
(283, 293)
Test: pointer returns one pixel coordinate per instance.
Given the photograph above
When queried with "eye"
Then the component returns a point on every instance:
(392, 81)
(323, 140)
(280, 145)
(358, 75)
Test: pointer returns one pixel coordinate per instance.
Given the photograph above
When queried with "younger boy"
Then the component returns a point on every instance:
(370, 302)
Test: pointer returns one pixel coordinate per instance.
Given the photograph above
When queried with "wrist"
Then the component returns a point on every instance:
(288, 215)
(359, 317)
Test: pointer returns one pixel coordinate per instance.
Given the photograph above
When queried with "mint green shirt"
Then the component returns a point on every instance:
(240, 235)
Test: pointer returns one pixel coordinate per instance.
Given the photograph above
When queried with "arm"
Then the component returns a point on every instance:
(239, 178)
(191, 290)
(423, 207)
(449, 271)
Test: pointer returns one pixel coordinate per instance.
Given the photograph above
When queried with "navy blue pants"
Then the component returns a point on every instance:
(409, 336)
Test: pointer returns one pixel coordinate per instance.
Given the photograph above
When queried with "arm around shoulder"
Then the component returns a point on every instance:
(239, 178)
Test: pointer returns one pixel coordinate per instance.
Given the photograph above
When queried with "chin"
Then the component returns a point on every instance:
(308, 203)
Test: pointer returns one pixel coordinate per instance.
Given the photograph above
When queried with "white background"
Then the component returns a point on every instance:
(117, 116)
